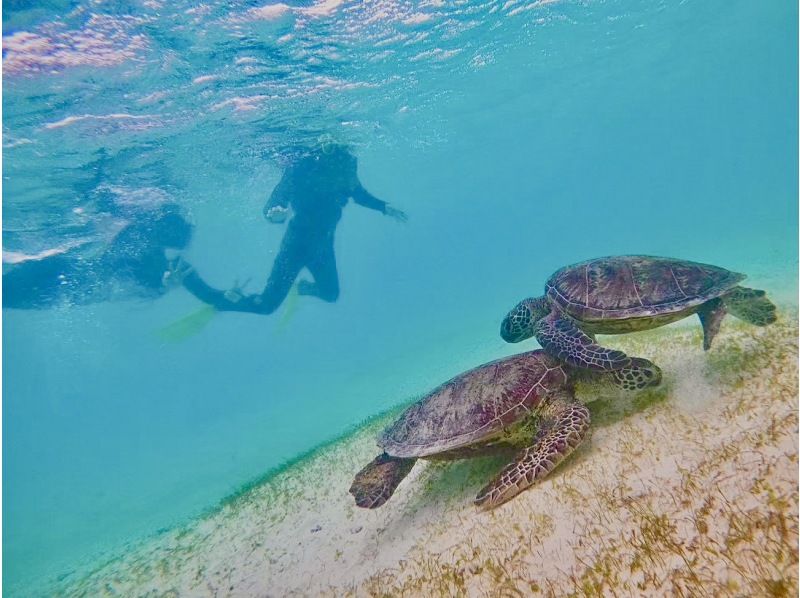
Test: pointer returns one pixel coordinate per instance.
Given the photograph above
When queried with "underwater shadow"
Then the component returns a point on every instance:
(609, 410)
(446, 482)
(736, 358)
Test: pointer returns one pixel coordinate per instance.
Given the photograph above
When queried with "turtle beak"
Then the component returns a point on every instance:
(518, 324)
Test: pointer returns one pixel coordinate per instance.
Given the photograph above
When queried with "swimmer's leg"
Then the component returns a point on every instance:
(322, 266)
(287, 266)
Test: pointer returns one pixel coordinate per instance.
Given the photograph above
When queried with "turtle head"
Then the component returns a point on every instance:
(641, 373)
(520, 321)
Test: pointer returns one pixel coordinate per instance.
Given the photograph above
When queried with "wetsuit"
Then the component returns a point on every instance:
(45, 283)
(134, 265)
(317, 188)
(70, 280)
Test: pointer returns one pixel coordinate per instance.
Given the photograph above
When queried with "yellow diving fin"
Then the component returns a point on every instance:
(187, 326)
(289, 309)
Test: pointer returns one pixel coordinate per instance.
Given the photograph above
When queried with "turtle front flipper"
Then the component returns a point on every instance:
(561, 338)
(374, 484)
(564, 424)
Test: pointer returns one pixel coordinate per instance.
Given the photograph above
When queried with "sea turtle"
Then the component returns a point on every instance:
(524, 404)
(615, 295)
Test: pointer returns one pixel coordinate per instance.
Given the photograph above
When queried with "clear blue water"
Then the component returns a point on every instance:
(518, 137)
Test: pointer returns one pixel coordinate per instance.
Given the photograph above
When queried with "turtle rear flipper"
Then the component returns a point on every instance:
(561, 338)
(374, 484)
(750, 305)
(563, 428)
(711, 314)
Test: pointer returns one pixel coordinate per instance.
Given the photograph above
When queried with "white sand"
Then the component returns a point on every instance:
(690, 490)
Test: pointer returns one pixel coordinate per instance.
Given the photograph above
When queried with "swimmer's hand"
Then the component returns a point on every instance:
(398, 215)
(236, 293)
(277, 214)
(233, 295)
(177, 269)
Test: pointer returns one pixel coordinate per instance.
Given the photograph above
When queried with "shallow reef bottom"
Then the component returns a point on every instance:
(687, 490)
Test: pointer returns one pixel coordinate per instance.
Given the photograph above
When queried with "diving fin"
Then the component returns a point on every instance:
(188, 326)
(289, 309)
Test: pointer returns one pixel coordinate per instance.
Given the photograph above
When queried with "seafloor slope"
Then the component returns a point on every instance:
(690, 490)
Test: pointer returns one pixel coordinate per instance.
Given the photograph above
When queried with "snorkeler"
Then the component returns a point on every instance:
(134, 264)
(316, 188)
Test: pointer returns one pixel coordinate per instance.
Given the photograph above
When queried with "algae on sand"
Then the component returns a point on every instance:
(691, 493)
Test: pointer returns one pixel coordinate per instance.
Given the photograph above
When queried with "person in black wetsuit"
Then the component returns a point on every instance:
(316, 188)
(135, 264)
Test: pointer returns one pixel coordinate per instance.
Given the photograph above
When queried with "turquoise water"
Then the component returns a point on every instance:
(517, 136)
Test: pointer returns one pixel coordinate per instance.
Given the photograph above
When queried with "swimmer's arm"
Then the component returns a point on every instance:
(364, 198)
(231, 300)
(360, 195)
(182, 273)
(206, 293)
(281, 194)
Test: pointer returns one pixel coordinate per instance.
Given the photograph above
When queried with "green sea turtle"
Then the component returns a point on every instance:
(615, 295)
(524, 404)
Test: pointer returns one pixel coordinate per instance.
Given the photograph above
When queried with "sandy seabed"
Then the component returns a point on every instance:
(687, 490)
